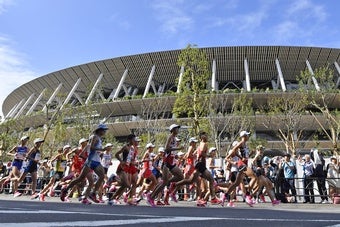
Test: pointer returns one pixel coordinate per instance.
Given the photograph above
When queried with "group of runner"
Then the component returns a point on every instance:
(157, 176)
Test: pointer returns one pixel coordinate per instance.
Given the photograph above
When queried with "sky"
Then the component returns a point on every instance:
(38, 37)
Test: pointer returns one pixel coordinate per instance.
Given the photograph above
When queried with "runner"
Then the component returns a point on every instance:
(190, 167)
(201, 170)
(169, 166)
(126, 171)
(19, 153)
(242, 151)
(92, 163)
(60, 167)
(146, 172)
(33, 156)
(77, 157)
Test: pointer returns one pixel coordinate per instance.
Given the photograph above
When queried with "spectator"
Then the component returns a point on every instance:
(333, 176)
(308, 171)
(289, 171)
(320, 174)
(3, 170)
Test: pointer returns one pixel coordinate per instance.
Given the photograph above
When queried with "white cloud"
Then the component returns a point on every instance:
(4, 4)
(303, 21)
(14, 70)
(307, 9)
(173, 16)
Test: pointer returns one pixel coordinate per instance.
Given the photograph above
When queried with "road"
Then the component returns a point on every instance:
(24, 212)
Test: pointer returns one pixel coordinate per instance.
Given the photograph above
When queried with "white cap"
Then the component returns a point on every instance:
(193, 139)
(212, 149)
(66, 147)
(173, 126)
(161, 149)
(180, 153)
(82, 140)
(149, 145)
(137, 139)
(24, 138)
(101, 126)
(178, 139)
(244, 133)
(38, 140)
(108, 145)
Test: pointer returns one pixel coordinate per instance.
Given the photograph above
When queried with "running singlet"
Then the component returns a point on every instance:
(77, 162)
(61, 164)
(169, 158)
(21, 153)
(147, 168)
(130, 161)
(243, 162)
(201, 161)
(94, 155)
(106, 160)
(33, 162)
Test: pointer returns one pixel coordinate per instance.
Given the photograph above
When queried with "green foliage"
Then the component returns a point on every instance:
(190, 102)
(324, 75)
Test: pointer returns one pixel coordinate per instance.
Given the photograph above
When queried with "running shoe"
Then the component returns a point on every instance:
(17, 194)
(223, 199)
(202, 201)
(63, 194)
(166, 203)
(249, 201)
(93, 197)
(231, 204)
(262, 198)
(125, 197)
(275, 202)
(149, 200)
(173, 197)
(215, 201)
(113, 202)
(67, 199)
(85, 201)
(116, 201)
(131, 202)
(35, 195)
(159, 203)
(110, 203)
(51, 193)
(42, 197)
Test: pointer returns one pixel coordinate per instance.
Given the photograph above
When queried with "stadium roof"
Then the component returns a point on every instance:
(230, 67)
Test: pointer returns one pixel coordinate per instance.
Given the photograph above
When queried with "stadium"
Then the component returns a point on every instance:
(122, 88)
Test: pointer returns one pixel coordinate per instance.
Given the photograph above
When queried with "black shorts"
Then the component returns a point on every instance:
(170, 167)
(106, 170)
(200, 166)
(58, 175)
(31, 167)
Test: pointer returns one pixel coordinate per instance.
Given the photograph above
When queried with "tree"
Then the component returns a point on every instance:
(285, 117)
(228, 115)
(190, 102)
(320, 101)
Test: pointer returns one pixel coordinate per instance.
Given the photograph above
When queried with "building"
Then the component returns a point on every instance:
(118, 87)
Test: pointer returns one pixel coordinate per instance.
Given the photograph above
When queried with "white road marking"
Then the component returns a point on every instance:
(21, 211)
(111, 222)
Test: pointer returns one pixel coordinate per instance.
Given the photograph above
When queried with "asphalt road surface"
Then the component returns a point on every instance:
(25, 212)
